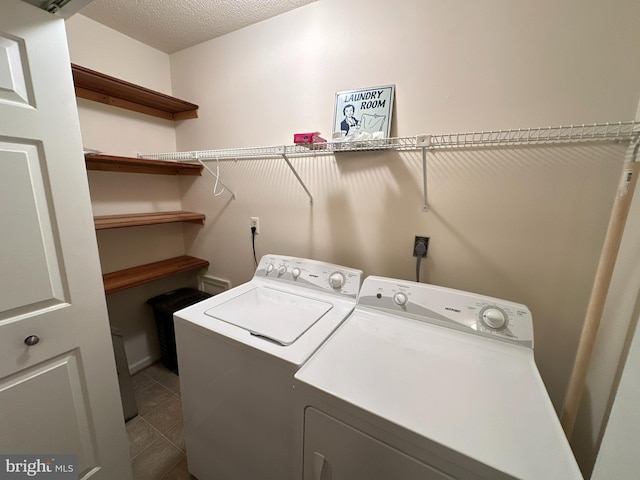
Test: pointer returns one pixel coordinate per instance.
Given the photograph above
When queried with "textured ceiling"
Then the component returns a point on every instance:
(170, 26)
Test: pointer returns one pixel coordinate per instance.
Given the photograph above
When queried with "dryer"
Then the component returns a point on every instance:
(424, 382)
(237, 354)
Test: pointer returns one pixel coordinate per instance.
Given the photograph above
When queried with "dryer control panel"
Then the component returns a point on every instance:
(311, 273)
(478, 314)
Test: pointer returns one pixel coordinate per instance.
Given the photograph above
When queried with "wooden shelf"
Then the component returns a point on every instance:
(139, 219)
(112, 163)
(98, 87)
(132, 277)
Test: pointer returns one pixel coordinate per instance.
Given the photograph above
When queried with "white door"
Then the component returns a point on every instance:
(59, 395)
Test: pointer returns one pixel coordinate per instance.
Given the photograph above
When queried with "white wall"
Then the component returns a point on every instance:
(121, 132)
(523, 224)
(101, 48)
(618, 455)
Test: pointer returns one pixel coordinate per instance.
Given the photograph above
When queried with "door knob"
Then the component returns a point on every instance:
(31, 340)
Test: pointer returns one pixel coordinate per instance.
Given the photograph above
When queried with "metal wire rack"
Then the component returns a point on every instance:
(284, 152)
(600, 132)
(545, 135)
(619, 131)
(398, 143)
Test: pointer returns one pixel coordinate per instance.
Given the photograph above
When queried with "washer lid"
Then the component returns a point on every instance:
(273, 314)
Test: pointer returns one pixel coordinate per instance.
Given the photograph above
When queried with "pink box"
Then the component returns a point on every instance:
(313, 137)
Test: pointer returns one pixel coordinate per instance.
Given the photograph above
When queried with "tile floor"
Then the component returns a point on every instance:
(156, 435)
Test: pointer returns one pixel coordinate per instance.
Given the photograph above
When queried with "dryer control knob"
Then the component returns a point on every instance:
(282, 269)
(494, 318)
(269, 267)
(336, 279)
(400, 299)
(295, 273)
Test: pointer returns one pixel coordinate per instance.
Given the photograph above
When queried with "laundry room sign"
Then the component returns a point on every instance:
(366, 110)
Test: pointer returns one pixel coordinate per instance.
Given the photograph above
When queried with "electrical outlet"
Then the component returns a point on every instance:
(255, 222)
(416, 241)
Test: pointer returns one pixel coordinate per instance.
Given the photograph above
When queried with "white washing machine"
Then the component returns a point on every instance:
(237, 353)
(424, 382)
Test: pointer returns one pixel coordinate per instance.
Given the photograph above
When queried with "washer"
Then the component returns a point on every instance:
(237, 354)
(424, 382)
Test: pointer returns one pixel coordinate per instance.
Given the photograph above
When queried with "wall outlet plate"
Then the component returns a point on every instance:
(417, 240)
(255, 222)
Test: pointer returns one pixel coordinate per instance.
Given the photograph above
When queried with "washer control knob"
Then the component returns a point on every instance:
(494, 318)
(336, 279)
(282, 269)
(400, 299)
(269, 267)
(295, 273)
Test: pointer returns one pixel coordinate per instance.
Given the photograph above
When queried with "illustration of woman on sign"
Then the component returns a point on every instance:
(349, 120)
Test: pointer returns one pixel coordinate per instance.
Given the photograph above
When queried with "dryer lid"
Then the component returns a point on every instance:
(273, 314)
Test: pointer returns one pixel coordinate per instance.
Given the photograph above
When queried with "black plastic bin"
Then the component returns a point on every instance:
(164, 307)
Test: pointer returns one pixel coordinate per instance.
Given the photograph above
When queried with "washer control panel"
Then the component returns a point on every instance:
(311, 273)
(477, 314)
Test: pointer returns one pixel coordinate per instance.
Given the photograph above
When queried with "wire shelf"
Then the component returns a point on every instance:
(300, 150)
(603, 132)
(619, 131)
(531, 136)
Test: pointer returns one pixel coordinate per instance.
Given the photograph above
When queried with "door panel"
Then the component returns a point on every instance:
(31, 393)
(13, 84)
(33, 265)
(58, 395)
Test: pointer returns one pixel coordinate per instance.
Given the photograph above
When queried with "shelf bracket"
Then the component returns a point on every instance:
(423, 142)
(286, 159)
(636, 145)
(425, 205)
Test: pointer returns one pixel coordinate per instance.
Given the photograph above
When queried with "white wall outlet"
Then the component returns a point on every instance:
(255, 222)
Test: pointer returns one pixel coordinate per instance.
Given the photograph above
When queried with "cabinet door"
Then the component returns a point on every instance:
(58, 383)
(334, 450)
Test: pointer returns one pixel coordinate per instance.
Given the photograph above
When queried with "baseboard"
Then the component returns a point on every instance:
(142, 364)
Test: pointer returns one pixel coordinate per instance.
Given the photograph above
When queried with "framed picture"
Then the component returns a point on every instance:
(363, 110)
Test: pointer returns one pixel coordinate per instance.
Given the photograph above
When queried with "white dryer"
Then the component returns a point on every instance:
(237, 354)
(424, 382)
